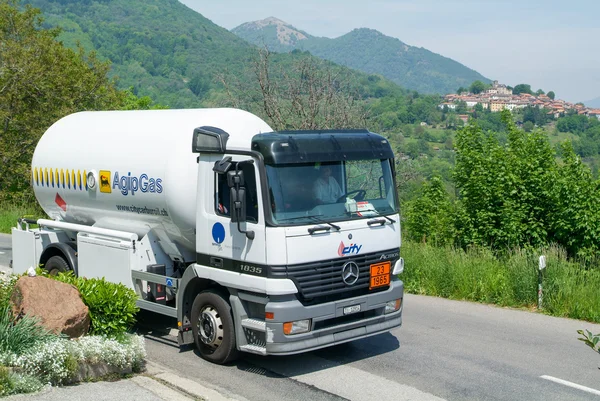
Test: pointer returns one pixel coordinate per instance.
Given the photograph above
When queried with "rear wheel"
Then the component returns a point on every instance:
(56, 264)
(213, 328)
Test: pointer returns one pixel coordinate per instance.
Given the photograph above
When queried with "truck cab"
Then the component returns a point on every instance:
(303, 231)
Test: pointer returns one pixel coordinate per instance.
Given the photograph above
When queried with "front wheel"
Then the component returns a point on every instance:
(213, 328)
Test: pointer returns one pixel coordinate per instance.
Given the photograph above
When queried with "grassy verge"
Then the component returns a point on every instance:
(570, 289)
(9, 214)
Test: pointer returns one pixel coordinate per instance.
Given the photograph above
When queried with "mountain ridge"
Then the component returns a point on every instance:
(168, 51)
(595, 103)
(367, 50)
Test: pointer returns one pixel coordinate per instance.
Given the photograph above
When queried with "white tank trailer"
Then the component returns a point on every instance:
(212, 218)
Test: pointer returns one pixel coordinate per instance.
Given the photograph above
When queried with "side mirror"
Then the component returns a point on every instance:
(235, 181)
(238, 205)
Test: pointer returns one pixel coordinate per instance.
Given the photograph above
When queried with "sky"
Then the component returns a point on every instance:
(551, 44)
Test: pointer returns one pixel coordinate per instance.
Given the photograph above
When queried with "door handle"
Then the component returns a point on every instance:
(216, 262)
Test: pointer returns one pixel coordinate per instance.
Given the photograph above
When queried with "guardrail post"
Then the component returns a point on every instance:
(541, 266)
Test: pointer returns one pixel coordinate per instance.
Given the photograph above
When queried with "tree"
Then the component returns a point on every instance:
(551, 95)
(461, 107)
(477, 87)
(460, 90)
(40, 82)
(528, 126)
(504, 199)
(429, 217)
(576, 210)
(309, 94)
(132, 102)
(522, 88)
(477, 110)
(539, 92)
(536, 115)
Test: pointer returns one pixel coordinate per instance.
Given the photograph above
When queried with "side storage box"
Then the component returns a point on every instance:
(101, 256)
(25, 250)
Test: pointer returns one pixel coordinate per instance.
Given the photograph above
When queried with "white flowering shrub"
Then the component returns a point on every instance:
(126, 353)
(57, 362)
(52, 362)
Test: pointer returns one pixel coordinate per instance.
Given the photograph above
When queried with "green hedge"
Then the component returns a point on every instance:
(112, 306)
(570, 288)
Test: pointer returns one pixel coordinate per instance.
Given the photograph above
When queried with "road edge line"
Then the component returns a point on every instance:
(571, 384)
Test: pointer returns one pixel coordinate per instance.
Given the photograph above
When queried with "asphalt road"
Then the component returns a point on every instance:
(447, 349)
(5, 251)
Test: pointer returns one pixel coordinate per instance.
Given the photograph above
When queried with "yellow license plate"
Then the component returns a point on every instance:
(380, 275)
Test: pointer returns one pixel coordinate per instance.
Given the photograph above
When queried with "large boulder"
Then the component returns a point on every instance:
(58, 306)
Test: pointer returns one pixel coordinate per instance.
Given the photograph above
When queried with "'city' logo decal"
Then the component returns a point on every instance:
(344, 250)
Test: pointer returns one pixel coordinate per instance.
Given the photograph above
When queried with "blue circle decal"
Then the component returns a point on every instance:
(218, 233)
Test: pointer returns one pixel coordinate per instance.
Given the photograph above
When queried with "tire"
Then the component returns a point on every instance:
(213, 328)
(56, 264)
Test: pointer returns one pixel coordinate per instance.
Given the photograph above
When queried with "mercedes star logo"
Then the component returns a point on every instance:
(350, 273)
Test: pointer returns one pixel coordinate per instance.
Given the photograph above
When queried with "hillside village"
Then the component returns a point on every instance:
(500, 97)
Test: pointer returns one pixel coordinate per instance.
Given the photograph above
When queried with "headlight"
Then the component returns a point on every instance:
(393, 306)
(398, 267)
(297, 327)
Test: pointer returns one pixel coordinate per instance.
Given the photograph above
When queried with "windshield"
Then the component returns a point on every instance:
(322, 192)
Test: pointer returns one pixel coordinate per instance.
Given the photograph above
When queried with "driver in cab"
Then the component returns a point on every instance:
(326, 189)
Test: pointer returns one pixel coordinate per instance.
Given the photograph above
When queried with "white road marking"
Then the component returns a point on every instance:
(570, 384)
(344, 380)
(1, 253)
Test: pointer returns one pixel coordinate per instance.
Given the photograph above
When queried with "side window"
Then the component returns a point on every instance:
(223, 197)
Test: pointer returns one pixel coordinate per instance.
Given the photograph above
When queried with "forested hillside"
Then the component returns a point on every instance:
(370, 51)
(161, 48)
(165, 50)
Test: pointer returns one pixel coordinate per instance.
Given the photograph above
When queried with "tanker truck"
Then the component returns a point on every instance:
(256, 241)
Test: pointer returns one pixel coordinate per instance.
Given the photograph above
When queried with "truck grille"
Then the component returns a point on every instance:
(321, 281)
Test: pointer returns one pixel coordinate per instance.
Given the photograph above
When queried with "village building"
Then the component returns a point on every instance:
(500, 97)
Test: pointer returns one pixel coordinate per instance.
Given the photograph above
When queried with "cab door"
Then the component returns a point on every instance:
(219, 242)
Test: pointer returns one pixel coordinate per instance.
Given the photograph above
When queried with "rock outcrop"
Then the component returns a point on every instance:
(57, 305)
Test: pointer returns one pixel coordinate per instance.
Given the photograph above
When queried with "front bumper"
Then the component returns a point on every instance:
(329, 324)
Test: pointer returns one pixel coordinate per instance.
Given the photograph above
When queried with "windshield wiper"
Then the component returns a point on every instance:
(389, 219)
(298, 218)
(316, 219)
(380, 221)
(313, 230)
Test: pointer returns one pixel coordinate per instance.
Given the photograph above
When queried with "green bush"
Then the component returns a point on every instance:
(112, 306)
